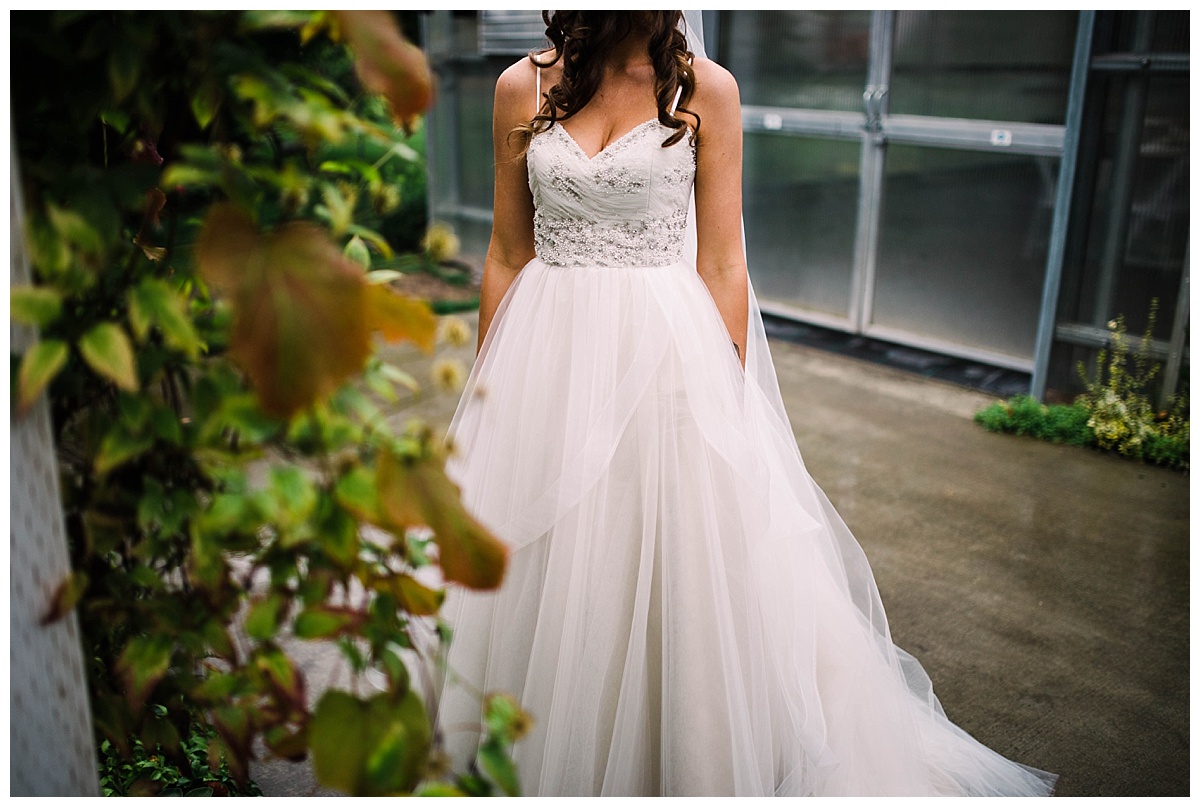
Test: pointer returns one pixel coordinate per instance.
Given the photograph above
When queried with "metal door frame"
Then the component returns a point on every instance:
(875, 127)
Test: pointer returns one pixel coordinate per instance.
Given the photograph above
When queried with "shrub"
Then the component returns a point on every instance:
(1022, 414)
(1115, 413)
(195, 188)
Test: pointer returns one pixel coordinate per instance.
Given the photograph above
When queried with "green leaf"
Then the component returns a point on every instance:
(338, 536)
(440, 789)
(402, 378)
(199, 791)
(186, 175)
(205, 102)
(40, 364)
(406, 152)
(106, 349)
(355, 491)
(124, 64)
(369, 748)
(356, 250)
(282, 674)
(75, 229)
(292, 495)
(383, 276)
(142, 664)
(262, 621)
(34, 305)
(494, 761)
(154, 302)
(120, 446)
(322, 621)
(166, 425)
(373, 238)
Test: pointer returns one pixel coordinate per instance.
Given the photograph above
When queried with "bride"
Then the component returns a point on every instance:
(684, 611)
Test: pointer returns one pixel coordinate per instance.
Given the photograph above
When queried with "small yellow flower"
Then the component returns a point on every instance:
(385, 199)
(1112, 324)
(456, 331)
(448, 374)
(440, 243)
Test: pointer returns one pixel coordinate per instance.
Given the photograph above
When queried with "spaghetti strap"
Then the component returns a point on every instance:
(678, 94)
(537, 107)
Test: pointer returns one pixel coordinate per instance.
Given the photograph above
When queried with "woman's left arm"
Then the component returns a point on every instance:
(720, 258)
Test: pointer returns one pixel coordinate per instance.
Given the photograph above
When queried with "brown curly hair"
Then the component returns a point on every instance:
(581, 39)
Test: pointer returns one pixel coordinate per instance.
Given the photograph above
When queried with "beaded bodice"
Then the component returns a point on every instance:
(626, 206)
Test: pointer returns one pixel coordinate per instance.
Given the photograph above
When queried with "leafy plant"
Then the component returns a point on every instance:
(1115, 412)
(196, 186)
(1119, 406)
(151, 773)
(1023, 414)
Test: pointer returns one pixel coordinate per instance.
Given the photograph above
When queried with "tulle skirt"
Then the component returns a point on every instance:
(684, 612)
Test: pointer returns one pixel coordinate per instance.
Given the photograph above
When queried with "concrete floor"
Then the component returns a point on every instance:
(1044, 588)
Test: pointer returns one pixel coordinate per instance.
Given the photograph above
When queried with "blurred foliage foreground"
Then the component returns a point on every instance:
(197, 191)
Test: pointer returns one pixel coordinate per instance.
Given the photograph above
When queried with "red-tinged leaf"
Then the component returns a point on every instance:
(66, 596)
(142, 664)
(387, 63)
(299, 307)
(40, 364)
(398, 317)
(156, 200)
(106, 349)
(418, 493)
(417, 599)
(283, 676)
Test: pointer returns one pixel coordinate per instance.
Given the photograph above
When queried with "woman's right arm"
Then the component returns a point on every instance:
(511, 245)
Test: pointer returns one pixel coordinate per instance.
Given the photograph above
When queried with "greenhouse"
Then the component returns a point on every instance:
(995, 185)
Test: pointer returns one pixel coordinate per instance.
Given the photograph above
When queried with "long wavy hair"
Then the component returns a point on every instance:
(583, 39)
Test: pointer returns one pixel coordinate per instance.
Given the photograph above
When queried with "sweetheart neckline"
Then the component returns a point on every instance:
(610, 143)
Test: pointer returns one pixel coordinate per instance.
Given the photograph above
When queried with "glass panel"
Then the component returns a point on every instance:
(963, 242)
(1133, 233)
(1171, 32)
(801, 59)
(800, 198)
(985, 65)
(476, 91)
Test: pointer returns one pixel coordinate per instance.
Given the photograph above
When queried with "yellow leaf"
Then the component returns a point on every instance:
(398, 317)
(39, 365)
(300, 318)
(106, 349)
(415, 598)
(418, 493)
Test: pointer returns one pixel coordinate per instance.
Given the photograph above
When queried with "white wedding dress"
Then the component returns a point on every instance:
(684, 612)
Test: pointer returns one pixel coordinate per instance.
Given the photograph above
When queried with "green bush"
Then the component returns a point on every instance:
(1022, 414)
(201, 192)
(1115, 413)
(191, 771)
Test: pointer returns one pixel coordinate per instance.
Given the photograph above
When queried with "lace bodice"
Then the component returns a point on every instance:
(627, 206)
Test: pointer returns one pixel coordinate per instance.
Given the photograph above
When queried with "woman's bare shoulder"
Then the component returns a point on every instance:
(517, 79)
(520, 78)
(716, 88)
